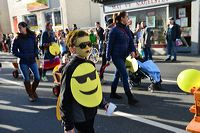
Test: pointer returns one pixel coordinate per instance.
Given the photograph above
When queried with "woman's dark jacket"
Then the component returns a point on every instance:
(120, 42)
(173, 33)
(25, 48)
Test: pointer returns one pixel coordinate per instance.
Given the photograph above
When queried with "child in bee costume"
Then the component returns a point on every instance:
(81, 91)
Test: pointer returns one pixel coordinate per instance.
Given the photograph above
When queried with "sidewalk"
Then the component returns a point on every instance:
(184, 59)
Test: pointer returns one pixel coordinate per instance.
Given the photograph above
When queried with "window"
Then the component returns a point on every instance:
(48, 17)
(57, 18)
(31, 20)
(56, 15)
(155, 19)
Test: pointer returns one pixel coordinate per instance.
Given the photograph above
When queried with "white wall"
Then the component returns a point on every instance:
(195, 26)
(84, 13)
(4, 17)
(17, 9)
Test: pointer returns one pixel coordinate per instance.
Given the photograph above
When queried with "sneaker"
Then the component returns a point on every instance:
(168, 59)
(151, 88)
(44, 78)
(173, 60)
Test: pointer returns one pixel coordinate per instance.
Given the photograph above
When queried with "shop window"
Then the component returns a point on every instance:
(183, 18)
(57, 18)
(53, 17)
(48, 17)
(155, 20)
(31, 20)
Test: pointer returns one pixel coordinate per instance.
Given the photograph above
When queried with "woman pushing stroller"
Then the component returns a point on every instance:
(120, 45)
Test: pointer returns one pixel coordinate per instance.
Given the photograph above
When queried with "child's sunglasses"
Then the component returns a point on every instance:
(84, 45)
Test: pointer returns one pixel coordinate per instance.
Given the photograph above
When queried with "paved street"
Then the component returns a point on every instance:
(163, 111)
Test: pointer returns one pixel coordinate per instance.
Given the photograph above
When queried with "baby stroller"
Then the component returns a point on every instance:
(138, 70)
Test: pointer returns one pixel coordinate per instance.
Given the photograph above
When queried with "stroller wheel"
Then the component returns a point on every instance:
(56, 90)
(150, 89)
(15, 74)
(134, 84)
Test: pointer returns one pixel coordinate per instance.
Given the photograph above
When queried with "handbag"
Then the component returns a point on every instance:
(179, 42)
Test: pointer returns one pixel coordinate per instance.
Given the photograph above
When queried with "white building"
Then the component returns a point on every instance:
(34, 13)
(63, 14)
(5, 26)
(84, 13)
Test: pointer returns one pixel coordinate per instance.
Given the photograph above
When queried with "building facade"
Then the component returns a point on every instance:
(62, 13)
(156, 14)
(84, 13)
(5, 26)
(35, 13)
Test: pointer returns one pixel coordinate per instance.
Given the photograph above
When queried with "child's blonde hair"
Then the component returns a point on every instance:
(73, 36)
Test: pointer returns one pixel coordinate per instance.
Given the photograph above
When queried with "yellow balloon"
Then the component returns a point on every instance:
(188, 79)
(54, 49)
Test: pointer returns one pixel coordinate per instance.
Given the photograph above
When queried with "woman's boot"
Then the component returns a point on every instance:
(29, 91)
(34, 87)
(131, 99)
(113, 94)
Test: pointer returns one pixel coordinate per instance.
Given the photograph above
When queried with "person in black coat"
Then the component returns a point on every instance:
(173, 33)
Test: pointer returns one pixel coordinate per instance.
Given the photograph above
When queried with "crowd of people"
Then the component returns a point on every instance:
(116, 42)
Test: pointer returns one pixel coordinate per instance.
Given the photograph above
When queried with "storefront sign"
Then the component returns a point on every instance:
(34, 5)
(137, 4)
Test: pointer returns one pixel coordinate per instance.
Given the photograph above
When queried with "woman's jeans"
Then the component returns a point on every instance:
(171, 49)
(120, 71)
(24, 68)
(147, 53)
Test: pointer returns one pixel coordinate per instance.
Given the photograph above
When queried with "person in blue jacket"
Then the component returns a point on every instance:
(120, 45)
(48, 37)
(25, 47)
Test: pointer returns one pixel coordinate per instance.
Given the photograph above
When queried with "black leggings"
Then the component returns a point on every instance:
(102, 65)
(85, 127)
